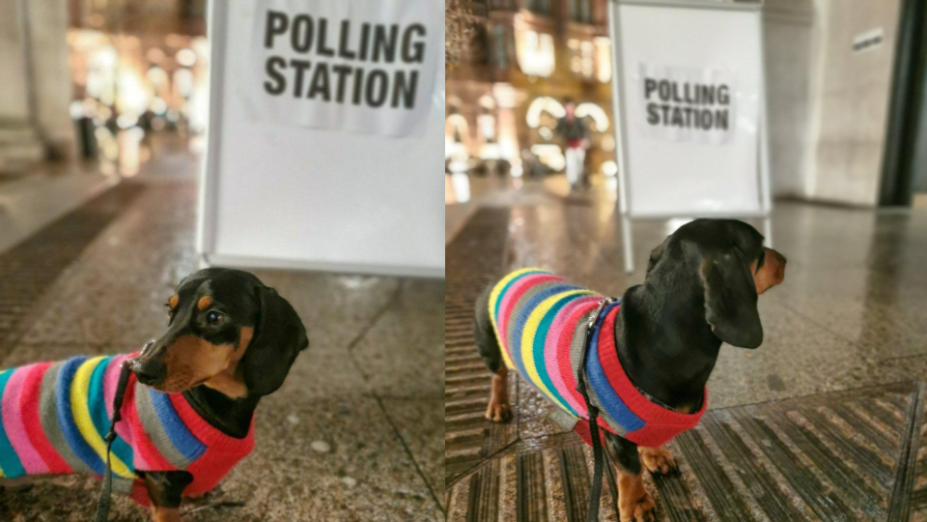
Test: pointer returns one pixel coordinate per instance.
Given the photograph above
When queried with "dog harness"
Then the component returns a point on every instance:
(540, 322)
(55, 417)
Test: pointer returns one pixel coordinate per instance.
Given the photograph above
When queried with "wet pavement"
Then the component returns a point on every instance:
(353, 435)
(830, 407)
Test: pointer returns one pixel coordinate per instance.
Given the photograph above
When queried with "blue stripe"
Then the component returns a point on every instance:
(540, 344)
(66, 416)
(9, 461)
(97, 404)
(610, 400)
(505, 290)
(522, 318)
(177, 431)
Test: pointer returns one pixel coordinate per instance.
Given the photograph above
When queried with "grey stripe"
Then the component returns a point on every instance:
(48, 411)
(122, 485)
(576, 354)
(519, 310)
(155, 430)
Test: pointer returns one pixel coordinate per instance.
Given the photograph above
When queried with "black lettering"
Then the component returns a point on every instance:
(324, 49)
(341, 71)
(320, 83)
(377, 84)
(385, 44)
(721, 117)
(301, 67)
(677, 117)
(650, 85)
(404, 89)
(358, 86)
(343, 50)
(665, 108)
(724, 95)
(653, 117)
(664, 90)
(708, 94)
(277, 23)
(272, 66)
(301, 34)
(413, 52)
(365, 42)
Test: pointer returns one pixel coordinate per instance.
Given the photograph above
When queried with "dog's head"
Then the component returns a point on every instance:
(726, 260)
(226, 330)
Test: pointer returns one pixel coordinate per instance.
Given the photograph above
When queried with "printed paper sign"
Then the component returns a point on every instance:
(685, 105)
(364, 66)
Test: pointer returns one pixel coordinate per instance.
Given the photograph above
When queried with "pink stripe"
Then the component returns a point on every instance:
(513, 293)
(551, 348)
(110, 382)
(13, 421)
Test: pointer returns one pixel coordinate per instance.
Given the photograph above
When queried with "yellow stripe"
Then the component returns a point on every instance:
(527, 339)
(493, 299)
(79, 390)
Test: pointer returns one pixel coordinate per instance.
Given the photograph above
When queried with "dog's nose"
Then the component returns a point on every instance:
(151, 372)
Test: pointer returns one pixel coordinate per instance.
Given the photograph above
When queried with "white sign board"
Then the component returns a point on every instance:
(691, 106)
(692, 85)
(324, 146)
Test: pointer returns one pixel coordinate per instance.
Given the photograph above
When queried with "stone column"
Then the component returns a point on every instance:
(19, 143)
(51, 76)
(36, 83)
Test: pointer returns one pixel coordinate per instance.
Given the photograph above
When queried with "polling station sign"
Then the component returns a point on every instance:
(361, 66)
(685, 104)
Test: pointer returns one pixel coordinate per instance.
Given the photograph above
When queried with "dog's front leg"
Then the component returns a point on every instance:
(634, 503)
(165, 488)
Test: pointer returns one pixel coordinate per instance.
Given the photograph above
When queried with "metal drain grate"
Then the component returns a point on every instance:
(474, 259)
(842, 456)
(29, 268)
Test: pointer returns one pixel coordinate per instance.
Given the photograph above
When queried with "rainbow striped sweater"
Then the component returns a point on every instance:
(54, 418)
(540, 322)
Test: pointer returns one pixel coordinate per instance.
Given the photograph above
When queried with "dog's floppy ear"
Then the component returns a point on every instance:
(730, 300)
(655, 255)
(279, 337)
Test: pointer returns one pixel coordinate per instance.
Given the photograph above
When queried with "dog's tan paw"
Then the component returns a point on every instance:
(644, 509)
(498, 412)
(658, 460)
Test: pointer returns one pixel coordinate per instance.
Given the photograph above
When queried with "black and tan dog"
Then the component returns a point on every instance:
(650, 355)
(187, 413)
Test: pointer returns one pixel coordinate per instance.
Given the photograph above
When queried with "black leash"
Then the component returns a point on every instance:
(106, 493)
(599, 455)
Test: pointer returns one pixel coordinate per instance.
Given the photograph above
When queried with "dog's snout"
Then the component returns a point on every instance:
(151, 372)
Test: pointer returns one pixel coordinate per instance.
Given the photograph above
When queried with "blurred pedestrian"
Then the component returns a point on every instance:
(576, 140)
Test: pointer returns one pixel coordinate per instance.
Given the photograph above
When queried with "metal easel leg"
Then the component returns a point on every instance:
(767, 231)
(628, 244)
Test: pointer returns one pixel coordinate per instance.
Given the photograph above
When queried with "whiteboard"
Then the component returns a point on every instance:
(690, 77)
(289, 195)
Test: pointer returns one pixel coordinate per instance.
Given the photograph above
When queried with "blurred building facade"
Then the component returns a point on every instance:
(832, 103)
(525, 58)
(92, 78)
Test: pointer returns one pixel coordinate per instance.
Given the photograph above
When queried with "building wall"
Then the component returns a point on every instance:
(829, 103)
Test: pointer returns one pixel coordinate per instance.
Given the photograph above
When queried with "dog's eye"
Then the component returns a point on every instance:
(170, 311)
(214, 318)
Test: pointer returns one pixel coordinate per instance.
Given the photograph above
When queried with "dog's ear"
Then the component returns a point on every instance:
(655, 255)
(730, 300)
(278, 338)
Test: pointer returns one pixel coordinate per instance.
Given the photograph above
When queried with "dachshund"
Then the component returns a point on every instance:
(643, 361)
(187, 409)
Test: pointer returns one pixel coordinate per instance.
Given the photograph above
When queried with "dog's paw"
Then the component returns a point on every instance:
(644, 509)
(498, 412)
(658, 460)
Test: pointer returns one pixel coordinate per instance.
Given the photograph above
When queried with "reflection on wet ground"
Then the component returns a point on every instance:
(850, 315)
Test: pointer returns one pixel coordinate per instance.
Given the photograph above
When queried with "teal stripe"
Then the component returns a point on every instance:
(96, 400)
(9, 460)
(505, 290)
(540, 341)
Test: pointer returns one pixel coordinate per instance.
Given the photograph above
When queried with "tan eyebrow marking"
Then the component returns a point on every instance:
(172, 302)
(203, 302)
